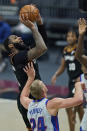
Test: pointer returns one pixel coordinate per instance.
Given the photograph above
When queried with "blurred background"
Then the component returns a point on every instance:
(59, 16)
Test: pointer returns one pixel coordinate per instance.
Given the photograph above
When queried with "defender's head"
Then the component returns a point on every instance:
(38, 90)
(71, 37)
(14, 42)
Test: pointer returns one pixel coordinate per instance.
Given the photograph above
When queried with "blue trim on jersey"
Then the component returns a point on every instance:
(55, 123)
(81, 129)
(80, 78)
(46, 101)
(38, 100)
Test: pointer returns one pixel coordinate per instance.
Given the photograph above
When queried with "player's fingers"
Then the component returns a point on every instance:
(84, 21)
(24, 70)
(22, 17)
(26, 16)
(79, 21)
(28, 65)
(31, 64)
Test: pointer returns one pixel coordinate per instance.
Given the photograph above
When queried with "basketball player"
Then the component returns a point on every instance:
(43, 113)
(74, 70)
(20, 55)
(83, 60)
(83, 78)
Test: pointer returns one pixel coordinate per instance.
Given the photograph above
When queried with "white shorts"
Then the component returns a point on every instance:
(83, 126)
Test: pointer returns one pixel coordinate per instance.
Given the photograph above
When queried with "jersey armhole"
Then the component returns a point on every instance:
(80, 78)
(46, 102)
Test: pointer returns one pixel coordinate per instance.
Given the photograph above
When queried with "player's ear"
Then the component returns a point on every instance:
(10, 45)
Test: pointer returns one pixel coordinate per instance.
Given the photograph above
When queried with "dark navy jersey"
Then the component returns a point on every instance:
(72, 64)
(19, 61)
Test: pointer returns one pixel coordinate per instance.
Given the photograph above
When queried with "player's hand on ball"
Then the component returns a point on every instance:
(26, 21)
(39, 19)
(30, 12)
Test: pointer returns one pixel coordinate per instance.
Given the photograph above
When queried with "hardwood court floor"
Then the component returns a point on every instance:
(10, 118)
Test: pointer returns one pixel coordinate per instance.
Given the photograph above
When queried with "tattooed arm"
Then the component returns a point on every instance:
(40, 47)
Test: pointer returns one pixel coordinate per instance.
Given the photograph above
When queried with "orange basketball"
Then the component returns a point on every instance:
(29, 11)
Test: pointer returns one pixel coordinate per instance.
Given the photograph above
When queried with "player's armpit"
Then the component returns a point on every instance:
(25, 101)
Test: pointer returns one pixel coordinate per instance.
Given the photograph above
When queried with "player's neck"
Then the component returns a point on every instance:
(13, 52)
(72, 45)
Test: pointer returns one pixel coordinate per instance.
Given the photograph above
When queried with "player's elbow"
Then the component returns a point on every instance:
(42, 50)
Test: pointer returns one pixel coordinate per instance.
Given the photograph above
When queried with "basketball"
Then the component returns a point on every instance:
(30, 12)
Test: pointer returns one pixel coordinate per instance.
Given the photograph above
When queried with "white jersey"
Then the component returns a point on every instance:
(39, 117)
(83, 126)
(82, 78)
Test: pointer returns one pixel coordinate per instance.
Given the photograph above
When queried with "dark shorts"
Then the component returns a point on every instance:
(71, 86)
(23, 112)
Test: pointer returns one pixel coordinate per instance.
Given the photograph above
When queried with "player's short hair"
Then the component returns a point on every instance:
(36, 89)
(6, 43)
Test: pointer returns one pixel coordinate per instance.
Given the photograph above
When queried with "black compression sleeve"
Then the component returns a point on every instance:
(43, 33)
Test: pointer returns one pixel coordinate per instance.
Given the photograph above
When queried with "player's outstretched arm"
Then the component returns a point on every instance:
(24, 98)
(80, 49)
(57, 103)
(40, 47)
(59, 71)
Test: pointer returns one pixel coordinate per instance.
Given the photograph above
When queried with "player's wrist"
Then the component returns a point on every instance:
(81, 33)
(30, 79)
(33, 28)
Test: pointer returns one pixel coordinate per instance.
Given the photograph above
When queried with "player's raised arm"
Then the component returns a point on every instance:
(59, 71)
(57, 103)
(29, 70)
(80, 49)
(40, 47)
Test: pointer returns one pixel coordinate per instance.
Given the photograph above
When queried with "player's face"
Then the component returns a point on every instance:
(71, 38)
(17, 42)
(16, 39)
(84, 69)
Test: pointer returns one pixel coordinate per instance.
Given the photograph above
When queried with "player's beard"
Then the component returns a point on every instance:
(21, 46)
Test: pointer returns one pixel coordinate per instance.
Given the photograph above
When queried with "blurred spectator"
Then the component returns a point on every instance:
(13, 1)
(5, 31)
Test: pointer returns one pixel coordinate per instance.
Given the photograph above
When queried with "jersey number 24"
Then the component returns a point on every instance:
(40, 125)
